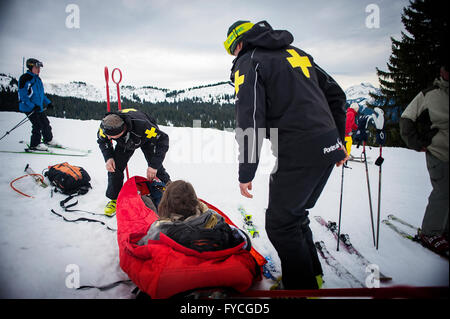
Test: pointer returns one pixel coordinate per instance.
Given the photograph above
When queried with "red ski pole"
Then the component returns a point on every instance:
(108, 106)
(118, 100)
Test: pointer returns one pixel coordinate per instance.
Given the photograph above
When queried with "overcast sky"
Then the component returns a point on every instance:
(179, 44)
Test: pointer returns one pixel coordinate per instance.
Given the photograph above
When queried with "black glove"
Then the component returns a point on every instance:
(361, 134)
(50, 106)
(36, 109)
(379, 161)
(380, 137)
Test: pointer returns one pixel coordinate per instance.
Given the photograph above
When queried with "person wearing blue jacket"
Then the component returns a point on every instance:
(31, 102)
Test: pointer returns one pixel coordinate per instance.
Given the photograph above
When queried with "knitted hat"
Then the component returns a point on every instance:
(234, 34)
(112, 125)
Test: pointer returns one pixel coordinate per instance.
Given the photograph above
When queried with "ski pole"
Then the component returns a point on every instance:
(108, 106)
(370, 196)
(118, 99)
(27, 118)
(340, 208)
(379, 162)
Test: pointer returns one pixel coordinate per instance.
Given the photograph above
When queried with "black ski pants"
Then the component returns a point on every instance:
(40, 128)
(115, 179)
(291, 193)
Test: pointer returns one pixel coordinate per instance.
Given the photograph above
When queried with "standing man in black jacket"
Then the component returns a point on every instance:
(279, 87)
(131, 129)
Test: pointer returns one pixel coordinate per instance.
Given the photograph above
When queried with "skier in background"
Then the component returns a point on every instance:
(350, 126)
(375, 119)
(31, 101)
(424, 128)
(278, 86)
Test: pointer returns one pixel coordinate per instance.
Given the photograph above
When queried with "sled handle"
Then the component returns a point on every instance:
(106, 75)
(108, 104)
(118, 87)
(112, 76)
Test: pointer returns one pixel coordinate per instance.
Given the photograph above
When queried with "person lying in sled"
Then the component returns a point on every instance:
(189, 222)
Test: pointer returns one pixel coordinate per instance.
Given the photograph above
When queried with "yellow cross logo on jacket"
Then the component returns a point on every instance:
(299, 61)
(238, 80)
(151, 133)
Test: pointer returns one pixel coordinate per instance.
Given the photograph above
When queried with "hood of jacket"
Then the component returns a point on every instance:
(262, 35)
(441, 83)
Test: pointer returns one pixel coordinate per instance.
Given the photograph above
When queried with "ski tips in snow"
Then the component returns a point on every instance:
(248, 223)
(415, 238)
(344, 239)
(337, 267)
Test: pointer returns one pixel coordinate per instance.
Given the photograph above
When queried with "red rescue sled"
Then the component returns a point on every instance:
(164, 268)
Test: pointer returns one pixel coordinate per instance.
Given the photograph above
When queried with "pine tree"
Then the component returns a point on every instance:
(415, 59)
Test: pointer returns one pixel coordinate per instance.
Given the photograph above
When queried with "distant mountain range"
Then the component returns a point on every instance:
(217, 93)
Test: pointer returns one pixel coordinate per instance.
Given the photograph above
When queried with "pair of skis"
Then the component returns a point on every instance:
(337, 267)
(392, 218)
(269, 268)
(390, 222)
(59, 150)
(344, 239)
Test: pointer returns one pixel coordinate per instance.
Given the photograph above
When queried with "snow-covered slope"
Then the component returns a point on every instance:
(39, 251)
(75, 89)
(214, 93)
(218, 93)
(7, 83)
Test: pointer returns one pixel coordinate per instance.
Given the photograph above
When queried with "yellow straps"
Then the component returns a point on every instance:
(299, 61)
(238, 80)
(127, 110)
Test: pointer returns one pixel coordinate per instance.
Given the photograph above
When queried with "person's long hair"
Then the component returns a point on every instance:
(178, 198)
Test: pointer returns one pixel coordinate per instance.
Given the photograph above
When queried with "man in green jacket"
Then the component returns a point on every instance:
(424, 128)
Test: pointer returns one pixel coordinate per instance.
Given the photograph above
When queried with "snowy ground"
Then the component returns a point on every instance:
(40, 253)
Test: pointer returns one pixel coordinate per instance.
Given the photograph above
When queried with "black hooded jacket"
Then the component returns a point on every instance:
(280, 91)
(141, 132)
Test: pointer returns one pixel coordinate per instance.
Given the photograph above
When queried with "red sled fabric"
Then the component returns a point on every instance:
(164, 268)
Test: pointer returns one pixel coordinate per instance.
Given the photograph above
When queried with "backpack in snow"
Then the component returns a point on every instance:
(69, 179)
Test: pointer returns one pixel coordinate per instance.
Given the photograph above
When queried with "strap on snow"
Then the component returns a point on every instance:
(63, 203)
(82, 219)
(66, 207)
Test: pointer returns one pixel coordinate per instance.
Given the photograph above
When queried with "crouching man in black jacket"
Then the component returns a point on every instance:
(131, 129)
